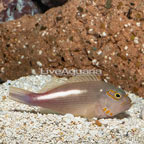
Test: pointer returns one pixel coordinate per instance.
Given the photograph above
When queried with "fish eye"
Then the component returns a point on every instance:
(117, 96)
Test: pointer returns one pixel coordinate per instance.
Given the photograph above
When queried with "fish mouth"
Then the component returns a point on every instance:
(127, 104)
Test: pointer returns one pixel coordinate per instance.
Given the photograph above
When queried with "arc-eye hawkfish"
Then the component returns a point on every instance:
(80, 95)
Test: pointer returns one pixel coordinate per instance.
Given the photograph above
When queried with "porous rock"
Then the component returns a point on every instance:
(84, 34)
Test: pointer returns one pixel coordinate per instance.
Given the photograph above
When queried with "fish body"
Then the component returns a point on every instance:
(142, 113)
(80, 97)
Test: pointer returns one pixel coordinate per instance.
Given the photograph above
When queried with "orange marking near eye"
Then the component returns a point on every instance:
(112, 91)
(107, 111)
(109, 94)
(111, 114)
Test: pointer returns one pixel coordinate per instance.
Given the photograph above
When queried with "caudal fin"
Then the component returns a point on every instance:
(20, 95)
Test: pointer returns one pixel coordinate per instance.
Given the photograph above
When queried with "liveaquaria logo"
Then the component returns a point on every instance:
(73, 72)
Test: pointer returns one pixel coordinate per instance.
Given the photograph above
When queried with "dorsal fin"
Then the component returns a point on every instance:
(55, 82)
(61, 81)
(83, 78)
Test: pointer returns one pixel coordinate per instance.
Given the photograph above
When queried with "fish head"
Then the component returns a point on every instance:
(116, 101)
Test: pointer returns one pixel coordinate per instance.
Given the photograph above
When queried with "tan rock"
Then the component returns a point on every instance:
(81, 35)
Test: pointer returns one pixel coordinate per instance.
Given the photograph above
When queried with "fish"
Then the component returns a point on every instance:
(142, 113)
(82, 95)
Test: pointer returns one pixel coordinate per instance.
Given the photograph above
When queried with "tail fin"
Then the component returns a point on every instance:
(20, 95)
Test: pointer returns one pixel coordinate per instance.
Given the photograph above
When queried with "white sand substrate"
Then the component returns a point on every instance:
(22, 124)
